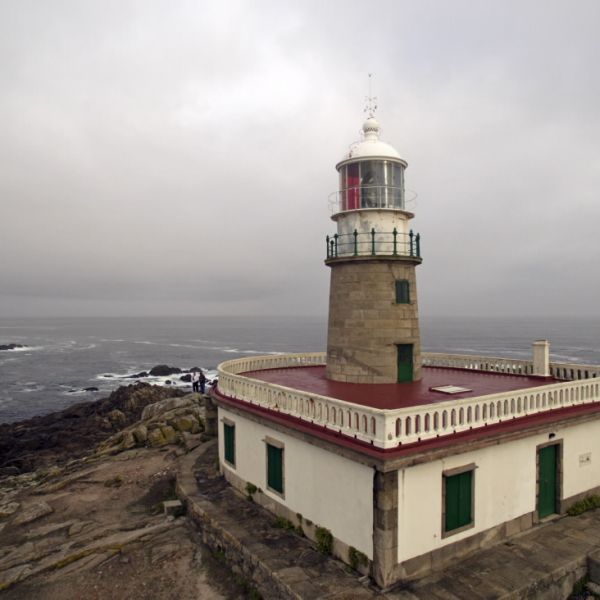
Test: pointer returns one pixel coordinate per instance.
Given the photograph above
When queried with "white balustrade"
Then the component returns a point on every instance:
(390, 428)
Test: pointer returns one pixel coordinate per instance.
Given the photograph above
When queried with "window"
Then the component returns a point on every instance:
(458, 500)
(229, 442)
(402, 291)
(275, 468)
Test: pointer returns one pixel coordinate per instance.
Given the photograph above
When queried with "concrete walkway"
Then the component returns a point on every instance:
(543, 563)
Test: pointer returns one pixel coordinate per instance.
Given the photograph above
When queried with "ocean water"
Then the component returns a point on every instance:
(64, 356)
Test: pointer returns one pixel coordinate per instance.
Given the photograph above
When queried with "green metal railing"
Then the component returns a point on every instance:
(374, 243)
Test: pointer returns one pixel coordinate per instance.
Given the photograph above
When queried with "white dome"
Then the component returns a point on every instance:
(371, 145)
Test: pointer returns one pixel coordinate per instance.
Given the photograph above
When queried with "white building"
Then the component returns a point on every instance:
(403, 460)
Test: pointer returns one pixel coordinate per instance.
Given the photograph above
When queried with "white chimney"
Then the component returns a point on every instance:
(541, 358)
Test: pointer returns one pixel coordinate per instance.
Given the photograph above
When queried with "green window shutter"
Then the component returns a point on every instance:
(275, 468)
(229, 438)
(458, 500)
(402, 291)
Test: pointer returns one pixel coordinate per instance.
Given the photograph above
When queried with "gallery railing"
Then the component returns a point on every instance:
(374, 243)
(391, 428)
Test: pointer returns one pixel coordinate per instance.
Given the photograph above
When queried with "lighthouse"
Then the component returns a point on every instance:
(373, 329)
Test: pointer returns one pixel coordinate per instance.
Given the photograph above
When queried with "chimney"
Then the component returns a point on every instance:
(541, 358)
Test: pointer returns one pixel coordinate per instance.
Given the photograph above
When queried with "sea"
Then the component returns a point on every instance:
(64, 356)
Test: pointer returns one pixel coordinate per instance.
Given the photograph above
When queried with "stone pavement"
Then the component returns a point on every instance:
(281, 564)
(542, 563)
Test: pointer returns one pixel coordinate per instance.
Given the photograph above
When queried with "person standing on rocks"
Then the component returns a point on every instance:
(202, 381)
(195, 381)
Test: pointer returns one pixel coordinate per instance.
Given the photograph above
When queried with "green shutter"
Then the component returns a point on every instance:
(402, 291)
(229, 438)
(275, 468)
(458, 500)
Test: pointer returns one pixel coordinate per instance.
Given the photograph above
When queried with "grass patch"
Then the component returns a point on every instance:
(116, 481)
(357, 558)
(251, 489)
(588, 503)
(579, 590)
(324, 540)
(282, 523)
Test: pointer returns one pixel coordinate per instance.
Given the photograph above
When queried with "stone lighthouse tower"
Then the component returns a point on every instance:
(373, 331)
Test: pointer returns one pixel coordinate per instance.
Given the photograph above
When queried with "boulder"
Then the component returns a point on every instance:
(159, 408)
(183, 423)
(117, 417)
(137, 375)
(187, 378)
(91, 389)
(140, 433)
(164, 370)
(128, 441)
(169, 434)
(8, 509)
(156, 438)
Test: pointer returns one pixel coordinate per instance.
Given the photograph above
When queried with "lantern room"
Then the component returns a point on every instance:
(372, 174)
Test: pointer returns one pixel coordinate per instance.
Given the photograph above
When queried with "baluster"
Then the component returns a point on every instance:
(327, 243)
(418, 245)
(395, 232)
(355, 243)
(335, 237)
(411, 235)
(373, 241)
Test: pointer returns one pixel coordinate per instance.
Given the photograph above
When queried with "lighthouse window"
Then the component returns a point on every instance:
(402, 291)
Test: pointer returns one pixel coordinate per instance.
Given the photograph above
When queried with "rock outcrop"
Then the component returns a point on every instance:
(12, 346)
(168, 421)
(41, 441)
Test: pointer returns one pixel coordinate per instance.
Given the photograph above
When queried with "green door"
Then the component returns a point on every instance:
(548, 480)
(405, 362)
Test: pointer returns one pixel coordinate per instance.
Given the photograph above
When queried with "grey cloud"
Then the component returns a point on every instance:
(144, 144)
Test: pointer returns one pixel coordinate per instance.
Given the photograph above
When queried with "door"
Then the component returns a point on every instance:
(405, 362)
(547, 480)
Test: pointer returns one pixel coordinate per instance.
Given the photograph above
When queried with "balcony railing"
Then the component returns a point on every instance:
(374, 243)
(372, 196)
(391, 428)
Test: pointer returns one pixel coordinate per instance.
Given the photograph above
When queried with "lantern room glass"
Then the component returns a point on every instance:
(372, 184)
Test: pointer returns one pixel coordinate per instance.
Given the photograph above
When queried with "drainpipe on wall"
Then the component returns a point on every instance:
(541, 358)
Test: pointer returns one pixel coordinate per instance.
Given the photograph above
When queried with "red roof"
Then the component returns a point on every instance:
(400, 395)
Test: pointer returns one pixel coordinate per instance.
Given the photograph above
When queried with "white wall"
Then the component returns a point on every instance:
(330, 490)
(504, 489)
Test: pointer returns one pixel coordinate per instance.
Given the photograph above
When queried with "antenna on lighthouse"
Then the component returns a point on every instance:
(370, 100)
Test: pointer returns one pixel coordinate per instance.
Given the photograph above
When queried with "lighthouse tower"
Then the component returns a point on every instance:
(373, 331)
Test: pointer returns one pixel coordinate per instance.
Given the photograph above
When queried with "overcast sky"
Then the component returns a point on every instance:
(176, 157)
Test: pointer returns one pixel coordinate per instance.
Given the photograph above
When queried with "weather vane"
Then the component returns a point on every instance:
(370, 100)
